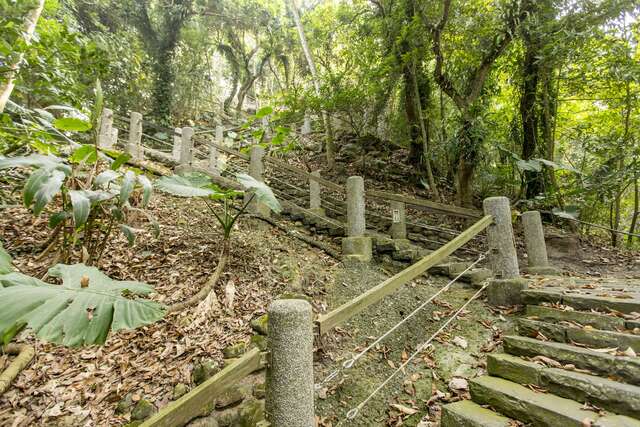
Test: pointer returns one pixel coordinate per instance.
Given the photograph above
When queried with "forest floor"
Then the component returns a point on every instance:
(82, 386)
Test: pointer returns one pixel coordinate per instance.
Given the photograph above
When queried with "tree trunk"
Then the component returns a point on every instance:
(329, 143)
(533, 180)
(467, 158)
(163, 87)
(30, 22)
(426, 151)
(636, 210)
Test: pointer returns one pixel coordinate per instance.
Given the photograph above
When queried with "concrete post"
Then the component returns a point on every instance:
(256, 170)
(306, 126)
(213, 159)
(356, 245)
(105, 133)
(266, 128)
(186, 152)
(398, 228)
(134, 147)
(290, 394)
(356, 224)
(505, 290)
(114, 137)
(177, 144)
(538, 261)
(315, 201)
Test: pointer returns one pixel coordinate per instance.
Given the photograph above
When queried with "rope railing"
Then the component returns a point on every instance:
(351, 362)
(353, 413)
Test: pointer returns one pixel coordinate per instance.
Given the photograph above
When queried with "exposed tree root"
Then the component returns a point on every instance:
(208, 286)
(24, 354)
(308, 240)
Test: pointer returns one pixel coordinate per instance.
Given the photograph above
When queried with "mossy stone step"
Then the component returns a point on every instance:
(581, 301)
(526, 405)
(465, 413)
(611, 395)
(594, 338)
(599, 321)
(624, 368)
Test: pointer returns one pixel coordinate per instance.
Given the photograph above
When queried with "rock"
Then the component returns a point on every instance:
(248, 414)
(125, 404)
(232, 395)
(259, 341)
(204, 370)
(514, 369)
(458, 384)
(460, 342)
(251, 413)
(260, 324)
(259, 390)
(179, 390)
(204, 422)
(234, 351)
(143, 410)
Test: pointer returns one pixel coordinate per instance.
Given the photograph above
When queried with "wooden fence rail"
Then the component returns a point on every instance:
(328, 321)
(199, 400)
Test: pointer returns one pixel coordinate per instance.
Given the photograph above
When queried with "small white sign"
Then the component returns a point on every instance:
(396, 216)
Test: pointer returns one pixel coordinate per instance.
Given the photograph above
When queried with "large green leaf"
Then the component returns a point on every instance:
(188, 185)
(147, 189)
(71, 314)
(72, 124)
(5, 261)
(41, 188)
(86, 153)
(126, 189)
(261, 190)
(106, 177)
(34, 160)
(81, 206)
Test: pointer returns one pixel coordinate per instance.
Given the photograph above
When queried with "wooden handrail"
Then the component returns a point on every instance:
(194, 403)
(328, 321)
(425, 204)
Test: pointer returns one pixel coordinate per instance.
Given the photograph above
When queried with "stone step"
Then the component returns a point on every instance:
(465, 413)
(538, 408)
(617, 397)
(567, 333)
(621, 368)
(598, 321)
(581, 301)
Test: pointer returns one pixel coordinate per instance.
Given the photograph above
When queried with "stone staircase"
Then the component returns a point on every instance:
(573, 362)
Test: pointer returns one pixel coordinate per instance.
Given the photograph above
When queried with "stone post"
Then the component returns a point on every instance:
(186, 153)
(398, 228)
(538, 262)
(213, 151)
(306, 126)
(290, 393)
(134, 147)
(315, 201)
(177, 144)
(256, 170)
(505, 290)
(356, 246)
(114, 137)
(105, 134)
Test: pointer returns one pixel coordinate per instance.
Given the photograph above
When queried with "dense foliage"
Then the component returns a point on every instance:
(533, 99)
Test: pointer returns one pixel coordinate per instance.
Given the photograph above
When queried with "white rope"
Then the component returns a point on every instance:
(351, 362)
(354, 412)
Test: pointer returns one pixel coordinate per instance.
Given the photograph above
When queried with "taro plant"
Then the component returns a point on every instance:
(86, 205)
(227, 214)
(88, 202)
(81, 311)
